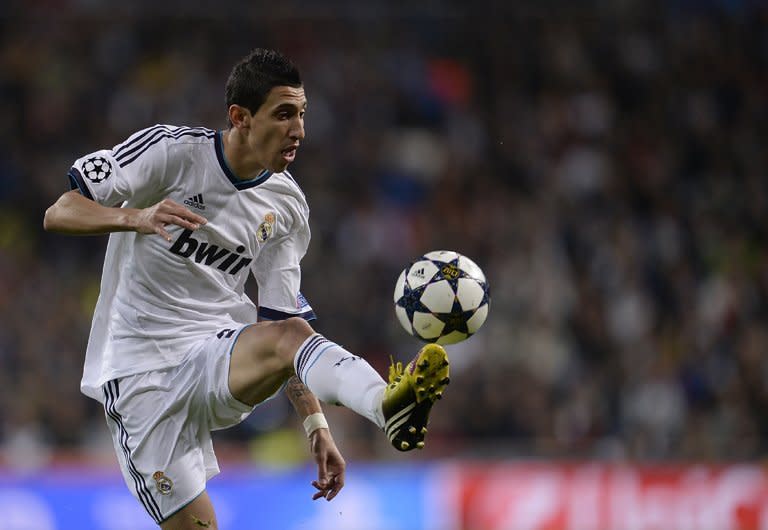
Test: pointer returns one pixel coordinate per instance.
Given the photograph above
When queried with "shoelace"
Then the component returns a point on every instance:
(395, 371)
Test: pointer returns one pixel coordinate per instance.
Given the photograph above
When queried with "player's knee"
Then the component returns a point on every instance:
(294, 331)
(273, 345)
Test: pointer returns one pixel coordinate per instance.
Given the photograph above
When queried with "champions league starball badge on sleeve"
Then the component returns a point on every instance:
(97, 169)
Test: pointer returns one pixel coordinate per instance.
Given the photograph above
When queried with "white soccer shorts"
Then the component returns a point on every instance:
(161, 423)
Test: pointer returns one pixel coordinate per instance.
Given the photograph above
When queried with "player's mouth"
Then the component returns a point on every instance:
(289, 153)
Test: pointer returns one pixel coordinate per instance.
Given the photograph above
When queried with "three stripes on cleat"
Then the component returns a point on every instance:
(397, 421)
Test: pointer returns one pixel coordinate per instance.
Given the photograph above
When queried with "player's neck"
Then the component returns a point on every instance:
(238, 157)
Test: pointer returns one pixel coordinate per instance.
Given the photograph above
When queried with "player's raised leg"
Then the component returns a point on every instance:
(266, 354)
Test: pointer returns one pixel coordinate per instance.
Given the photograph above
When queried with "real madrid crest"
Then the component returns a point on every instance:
(163, 483)
(264, 231)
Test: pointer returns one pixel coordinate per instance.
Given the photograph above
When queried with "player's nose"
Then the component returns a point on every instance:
(296, 132)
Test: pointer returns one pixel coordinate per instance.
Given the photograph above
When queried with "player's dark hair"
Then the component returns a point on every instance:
(256, 74)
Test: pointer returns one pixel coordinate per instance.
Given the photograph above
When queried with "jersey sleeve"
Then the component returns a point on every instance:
(278, 275)
(131, 171)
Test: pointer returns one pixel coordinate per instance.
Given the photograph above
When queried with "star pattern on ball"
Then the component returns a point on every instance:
(486, 294)
(456, 320)
(411, 300)
(450, 271)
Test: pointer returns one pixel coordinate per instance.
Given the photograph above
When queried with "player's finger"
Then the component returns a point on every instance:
(322, 473)
(178, 221)
(161, 231)
(322, 493)
(332, 493)
(336, 485)
(192, 216)
(185, 213)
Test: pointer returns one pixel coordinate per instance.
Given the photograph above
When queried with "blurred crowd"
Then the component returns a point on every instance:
(603, 165)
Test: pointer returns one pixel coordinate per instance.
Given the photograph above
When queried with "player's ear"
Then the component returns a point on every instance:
(239, 116)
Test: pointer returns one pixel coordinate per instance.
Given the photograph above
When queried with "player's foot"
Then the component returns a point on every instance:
(410, 394)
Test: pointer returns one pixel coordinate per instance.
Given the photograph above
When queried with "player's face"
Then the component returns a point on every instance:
(277, 127)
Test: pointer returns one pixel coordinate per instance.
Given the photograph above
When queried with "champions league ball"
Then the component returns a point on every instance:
(442, 297)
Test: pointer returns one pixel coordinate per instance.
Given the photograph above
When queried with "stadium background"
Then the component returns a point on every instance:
(602, 161)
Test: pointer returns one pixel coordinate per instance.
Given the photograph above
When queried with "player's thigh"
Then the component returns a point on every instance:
(196, 515)
(262, 358)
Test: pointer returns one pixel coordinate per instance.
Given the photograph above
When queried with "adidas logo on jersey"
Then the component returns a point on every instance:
(196, 201)
(229, 261)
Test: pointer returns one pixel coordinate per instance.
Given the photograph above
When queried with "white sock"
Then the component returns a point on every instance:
(336, 376)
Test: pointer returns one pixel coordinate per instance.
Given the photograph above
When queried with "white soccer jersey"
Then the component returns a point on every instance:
(157, 297)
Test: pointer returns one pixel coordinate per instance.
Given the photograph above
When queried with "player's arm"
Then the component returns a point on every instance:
(75, 214)
(330, 464)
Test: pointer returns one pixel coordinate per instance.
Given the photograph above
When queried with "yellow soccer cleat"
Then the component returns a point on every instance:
(410, 394)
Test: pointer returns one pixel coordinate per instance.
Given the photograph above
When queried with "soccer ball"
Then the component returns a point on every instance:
(442, 297)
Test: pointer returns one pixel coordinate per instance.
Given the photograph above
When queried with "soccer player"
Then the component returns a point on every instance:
(176, 348)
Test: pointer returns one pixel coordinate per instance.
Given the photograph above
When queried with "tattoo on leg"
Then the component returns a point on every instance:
(295, 388)
(198, 522)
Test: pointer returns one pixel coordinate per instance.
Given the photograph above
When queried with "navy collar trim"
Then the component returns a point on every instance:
(238, 183)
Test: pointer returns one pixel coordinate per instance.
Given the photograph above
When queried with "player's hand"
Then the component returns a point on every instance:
(330, 465)
(153, 220)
